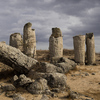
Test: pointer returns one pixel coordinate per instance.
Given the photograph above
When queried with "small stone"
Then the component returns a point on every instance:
(15, 78)
(8, 87)
(44, 97)
(53, 95)
(86, 74)
(92, 73)
(55, 90)
(73, 95)
(99, 83)
(72, 75)
(38, 87)
(18, 97)
(24, 80)
(10, 93)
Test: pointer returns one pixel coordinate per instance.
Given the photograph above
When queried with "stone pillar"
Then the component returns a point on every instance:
(16, 41)
(56, 43)
(90, 51)
(79, 49)
(29, 40)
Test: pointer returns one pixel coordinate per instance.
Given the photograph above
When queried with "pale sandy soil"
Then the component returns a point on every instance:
(76, 79)
(87, 85)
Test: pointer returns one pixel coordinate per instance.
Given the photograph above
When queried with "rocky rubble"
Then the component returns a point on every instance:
(38, 77)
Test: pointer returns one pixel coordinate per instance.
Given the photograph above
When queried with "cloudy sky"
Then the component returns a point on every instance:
(73, 17)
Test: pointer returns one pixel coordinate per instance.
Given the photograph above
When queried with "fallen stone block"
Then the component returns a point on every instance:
(16, 59)
(38, 87)
(56, 80)
(22, 80)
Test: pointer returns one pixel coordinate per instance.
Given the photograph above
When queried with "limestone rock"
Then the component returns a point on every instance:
(38, 87)
(79, 49)
(8, 87)
(35, 75)
(56, 32)
(46, 67)
(44, 97)
(29, 40)
(63, 64)
(22, 81)
(90, 51)
(18, 97)
(16, 41)
(10, 93)
(16, 59)
(56, 80)
(56, 43)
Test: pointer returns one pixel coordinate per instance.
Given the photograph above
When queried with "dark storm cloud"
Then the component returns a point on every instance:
(73, 17)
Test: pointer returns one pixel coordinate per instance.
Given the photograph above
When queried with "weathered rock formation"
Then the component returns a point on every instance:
(16, 41)
(29, 40)
(90, 51)
(39, 86)
(16, 59)
(54, 79)
(79, 49)
(59, 65)
(56, 43)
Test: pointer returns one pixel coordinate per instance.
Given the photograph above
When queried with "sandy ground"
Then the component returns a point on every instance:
(84, 79)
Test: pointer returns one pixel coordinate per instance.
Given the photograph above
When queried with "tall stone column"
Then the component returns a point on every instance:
(56, 43)
(90, 51)
(16, 41)
(29, 40)
(79, 49)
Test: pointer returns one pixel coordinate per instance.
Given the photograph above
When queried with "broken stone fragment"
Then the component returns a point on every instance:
(79, 49)
(35, 75)
(56, 80)
(44, 97)
(8, 87)
(38, 87)
(56, 32)
(63, 67)
(18, 97)
(63, 64)
(16, 59)
(46, 67)
(22, 81)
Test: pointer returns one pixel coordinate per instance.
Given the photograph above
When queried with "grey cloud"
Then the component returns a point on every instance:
(73, 17)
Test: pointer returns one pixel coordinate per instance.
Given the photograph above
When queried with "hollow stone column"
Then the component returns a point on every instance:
(56, 43)
(29, 40)
(90, 51)
(16, 41)
(79, 49)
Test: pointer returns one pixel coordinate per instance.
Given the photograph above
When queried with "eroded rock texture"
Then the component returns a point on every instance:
(29, 40)
(16, 41)
(79, 48)
(90, 48)
(16, 59)
(56, 43)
